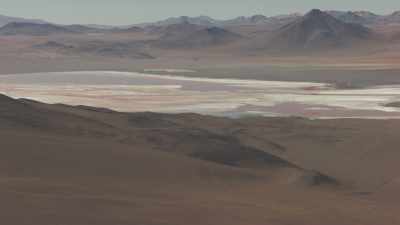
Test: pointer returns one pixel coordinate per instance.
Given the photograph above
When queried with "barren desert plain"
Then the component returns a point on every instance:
(186, 124)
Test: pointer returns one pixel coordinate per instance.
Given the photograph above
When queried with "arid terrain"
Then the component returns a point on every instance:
(282, 120)
(85, 165)
(351, 54)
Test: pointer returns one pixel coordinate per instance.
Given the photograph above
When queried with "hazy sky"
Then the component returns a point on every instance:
(136, 11)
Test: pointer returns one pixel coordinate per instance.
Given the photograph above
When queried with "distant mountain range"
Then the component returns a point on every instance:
(365, 17)
(187, 35)
(25, 28)
(316, 30)
(6, 20)
(40, 29)
(210, 22)
(358, 17)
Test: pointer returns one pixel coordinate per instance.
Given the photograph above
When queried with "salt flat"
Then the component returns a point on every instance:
(134, 92)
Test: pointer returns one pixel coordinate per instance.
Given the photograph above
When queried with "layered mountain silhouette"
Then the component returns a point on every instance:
(186, 35)
(41, 29)
(211, 22)
(318, 30)
(199, 20)
(393, 18)
(34, 29)
(206, 37)
(358, 17)
(82, 29)
(4, 20)
(349, 17)
(175, 31)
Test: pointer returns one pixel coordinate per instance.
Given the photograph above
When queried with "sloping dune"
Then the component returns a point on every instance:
(84, 165)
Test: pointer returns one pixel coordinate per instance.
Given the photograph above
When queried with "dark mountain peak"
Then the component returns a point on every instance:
(184, 19)
(318, 29)
(258, 18)
(315, 13)
(315, 19)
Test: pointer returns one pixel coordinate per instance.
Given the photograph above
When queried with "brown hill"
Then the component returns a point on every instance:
(83, 165)
(156, 129)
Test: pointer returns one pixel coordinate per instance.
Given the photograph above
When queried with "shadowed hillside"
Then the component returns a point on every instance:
(318, 30)
(85, 165)
(198, 38)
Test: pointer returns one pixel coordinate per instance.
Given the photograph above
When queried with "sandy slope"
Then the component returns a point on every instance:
(93, 166)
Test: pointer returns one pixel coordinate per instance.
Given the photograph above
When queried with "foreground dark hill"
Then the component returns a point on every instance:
(318, 30)
(155, 130)
(83, 165)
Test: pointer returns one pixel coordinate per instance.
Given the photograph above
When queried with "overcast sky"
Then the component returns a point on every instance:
(121, 12)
